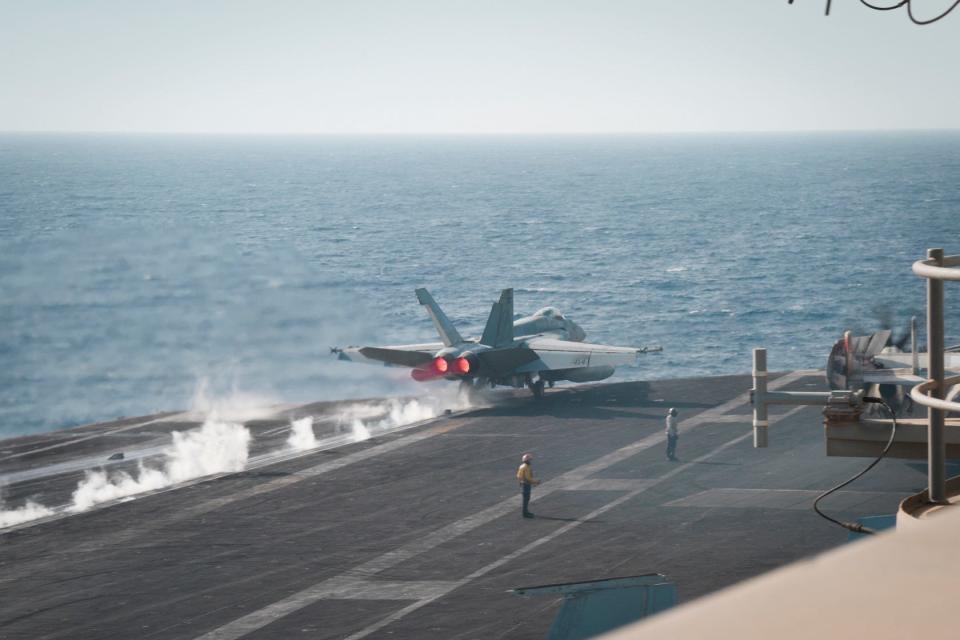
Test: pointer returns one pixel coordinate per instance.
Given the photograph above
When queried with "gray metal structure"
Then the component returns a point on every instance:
(856, 363)
(762, 398)
(532, 351)
(936, 268)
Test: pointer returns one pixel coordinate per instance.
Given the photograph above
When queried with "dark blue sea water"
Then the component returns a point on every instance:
(134, 267)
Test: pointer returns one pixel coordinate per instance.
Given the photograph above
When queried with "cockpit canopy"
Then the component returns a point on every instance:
(549, 312)
(549, 319)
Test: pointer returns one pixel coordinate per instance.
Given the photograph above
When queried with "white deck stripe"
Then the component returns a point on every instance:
(272, 612)
(93, 436)
(734, 418)
(799, 499)
(610, 484)
(348, 589)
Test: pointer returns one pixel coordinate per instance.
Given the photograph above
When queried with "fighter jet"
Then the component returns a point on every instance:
(879, 365)
(529, 352)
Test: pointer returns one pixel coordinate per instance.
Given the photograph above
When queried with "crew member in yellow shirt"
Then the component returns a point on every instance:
(527, 482)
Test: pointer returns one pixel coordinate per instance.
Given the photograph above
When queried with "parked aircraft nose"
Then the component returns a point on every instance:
(576, 333)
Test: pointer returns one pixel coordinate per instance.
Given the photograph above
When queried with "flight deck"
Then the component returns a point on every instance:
(417, 532)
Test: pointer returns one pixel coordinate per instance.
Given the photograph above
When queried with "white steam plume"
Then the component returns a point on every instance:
(302, 437)
(231, 406)
(368, 419)
(30, 511)
(215, 447)
(360, 431)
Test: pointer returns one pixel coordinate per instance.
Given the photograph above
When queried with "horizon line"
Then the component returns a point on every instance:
(111, 132)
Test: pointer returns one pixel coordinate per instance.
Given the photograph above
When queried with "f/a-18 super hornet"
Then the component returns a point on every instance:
(879, 365)
(529, 352)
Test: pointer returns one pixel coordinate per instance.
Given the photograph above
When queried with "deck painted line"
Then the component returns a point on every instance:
(489, 435)
(610, 484)
(93, 436)
(281, 608)
(733, 418)
(354, 589)
(800, 499)
(77, 465)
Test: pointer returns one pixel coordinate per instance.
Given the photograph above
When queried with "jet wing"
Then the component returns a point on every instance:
(951, 361)
(901, 377)
(404, 355)
(564, 354)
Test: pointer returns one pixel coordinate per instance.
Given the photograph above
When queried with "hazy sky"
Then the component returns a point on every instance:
(407, 66)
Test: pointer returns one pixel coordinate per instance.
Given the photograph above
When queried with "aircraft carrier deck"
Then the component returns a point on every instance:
(417, 533)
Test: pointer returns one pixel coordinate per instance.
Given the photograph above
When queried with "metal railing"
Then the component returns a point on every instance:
(761, 398)
(936, 269)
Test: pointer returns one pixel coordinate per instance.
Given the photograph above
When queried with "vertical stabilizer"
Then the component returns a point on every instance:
(499, 329)
(444, 327)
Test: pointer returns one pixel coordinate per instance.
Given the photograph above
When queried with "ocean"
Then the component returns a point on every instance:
(141, 273)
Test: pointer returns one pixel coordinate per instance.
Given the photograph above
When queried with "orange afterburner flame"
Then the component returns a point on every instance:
(440, 367)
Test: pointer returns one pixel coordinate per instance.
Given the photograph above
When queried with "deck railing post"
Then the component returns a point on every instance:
(759, 398)
(936, 446)
(915, 364)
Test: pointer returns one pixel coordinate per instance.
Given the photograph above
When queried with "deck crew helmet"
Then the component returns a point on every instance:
(672, 411)
(526, 458)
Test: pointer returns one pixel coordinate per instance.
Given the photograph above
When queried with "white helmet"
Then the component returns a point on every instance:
(672, 411)
(526, 458)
